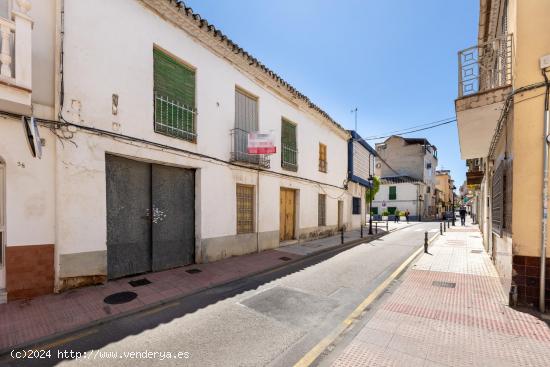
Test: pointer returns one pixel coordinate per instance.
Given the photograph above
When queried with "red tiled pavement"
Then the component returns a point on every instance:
(470, 324)
(24, 321)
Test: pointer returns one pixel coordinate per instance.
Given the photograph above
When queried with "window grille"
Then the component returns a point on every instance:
(356, 207)
(497, 199)
(289, 149)
(322, 210)
(245, 209)
(174, 97)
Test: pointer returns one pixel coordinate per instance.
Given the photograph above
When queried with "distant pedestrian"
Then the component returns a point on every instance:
(407, 213)
(462, 216)
(396, 216)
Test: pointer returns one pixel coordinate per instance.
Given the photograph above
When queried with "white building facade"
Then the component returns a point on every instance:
(143, 172)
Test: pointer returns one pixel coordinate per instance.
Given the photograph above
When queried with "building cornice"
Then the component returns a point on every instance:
(212, 38)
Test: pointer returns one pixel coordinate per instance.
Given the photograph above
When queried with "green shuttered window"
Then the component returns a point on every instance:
(289, 149)
(393, 193)
(174, 97)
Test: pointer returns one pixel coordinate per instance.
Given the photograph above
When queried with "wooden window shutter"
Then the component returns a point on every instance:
(173, 80)
(393, 193)
(322, 157)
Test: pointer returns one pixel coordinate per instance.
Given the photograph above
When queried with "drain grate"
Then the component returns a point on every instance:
(120, 297)
(139, 282)
(476, 251)
(285, 258)
(193, 271)
(437, 283)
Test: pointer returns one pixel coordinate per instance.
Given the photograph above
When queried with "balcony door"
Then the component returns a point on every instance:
(246, 121)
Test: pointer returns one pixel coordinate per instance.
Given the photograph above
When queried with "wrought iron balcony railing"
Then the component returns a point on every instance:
(174, 119)
(239, 150)
(485, 66)
(289, 157)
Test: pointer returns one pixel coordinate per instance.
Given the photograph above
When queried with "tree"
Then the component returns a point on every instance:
(372, 193)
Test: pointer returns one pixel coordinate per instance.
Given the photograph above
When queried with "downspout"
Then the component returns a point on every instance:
(258, 212)
(542, 305)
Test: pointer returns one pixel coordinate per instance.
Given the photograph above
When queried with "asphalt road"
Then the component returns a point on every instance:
(270, 319)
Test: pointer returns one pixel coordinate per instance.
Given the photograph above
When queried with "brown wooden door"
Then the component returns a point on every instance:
(287, 214)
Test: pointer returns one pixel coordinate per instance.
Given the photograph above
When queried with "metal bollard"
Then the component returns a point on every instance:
(342, 235)
(387, 226)
(441, 228)
(376, 227)
(426, 242)
(361, 230)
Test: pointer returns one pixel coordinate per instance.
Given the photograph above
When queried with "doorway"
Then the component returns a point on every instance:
(150, 216)
(287, 214)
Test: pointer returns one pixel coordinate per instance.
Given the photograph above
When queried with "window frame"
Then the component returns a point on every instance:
(321, 210)
(394, 193)
(323, 163)
(190, 136)
(289, 166)
(356, 205)
(252, 208)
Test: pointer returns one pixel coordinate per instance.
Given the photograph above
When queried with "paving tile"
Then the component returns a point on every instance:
(469, 324)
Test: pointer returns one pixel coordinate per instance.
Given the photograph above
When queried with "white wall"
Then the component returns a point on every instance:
(406, 198)
(104, 56)
(29, 188)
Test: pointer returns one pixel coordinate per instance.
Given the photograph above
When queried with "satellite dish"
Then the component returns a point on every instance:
(33, 137)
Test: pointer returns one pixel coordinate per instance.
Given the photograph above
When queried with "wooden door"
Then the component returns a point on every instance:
(287, 214)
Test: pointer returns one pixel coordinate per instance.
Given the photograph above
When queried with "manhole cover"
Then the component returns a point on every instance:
(285, 258)
(139, 282)
(437, 283)
(476, 251)
(120, 297)
(193, 271)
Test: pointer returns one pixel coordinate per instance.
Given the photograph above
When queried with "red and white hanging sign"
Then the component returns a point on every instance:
(261, 143)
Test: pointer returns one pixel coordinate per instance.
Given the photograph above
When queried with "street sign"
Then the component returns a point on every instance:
(261, 143)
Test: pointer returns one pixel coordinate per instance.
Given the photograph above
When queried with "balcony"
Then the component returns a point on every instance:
(239, 150)
(289, 158)
(15, 61)
(484, 82)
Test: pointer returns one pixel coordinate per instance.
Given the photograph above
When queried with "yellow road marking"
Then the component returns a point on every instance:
(157, 309)
(316, 351)
(65, 340)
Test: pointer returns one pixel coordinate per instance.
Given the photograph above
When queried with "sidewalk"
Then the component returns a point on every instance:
(450, 310)
(29, 321)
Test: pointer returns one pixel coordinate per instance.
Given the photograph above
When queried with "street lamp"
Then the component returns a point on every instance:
(454, 215)
(371, 179)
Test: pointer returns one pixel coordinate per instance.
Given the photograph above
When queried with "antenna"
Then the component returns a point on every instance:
(352, 111)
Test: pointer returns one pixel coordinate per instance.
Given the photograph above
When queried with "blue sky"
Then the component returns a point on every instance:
(396, 61)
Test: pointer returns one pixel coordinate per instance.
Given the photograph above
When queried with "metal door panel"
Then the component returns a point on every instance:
(173, 221)
(128, 220)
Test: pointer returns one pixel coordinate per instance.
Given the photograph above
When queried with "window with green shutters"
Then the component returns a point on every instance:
(393, 193)
(289, 149)
(174, 94)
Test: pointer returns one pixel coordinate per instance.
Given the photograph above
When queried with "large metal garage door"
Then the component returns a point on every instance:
(128, 216)
(173, 217)
(150, 217)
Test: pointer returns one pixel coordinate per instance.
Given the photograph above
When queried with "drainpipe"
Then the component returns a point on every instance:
(258, 212)
(542, 305)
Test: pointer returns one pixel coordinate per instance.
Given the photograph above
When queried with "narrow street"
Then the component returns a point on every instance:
(269, 319)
